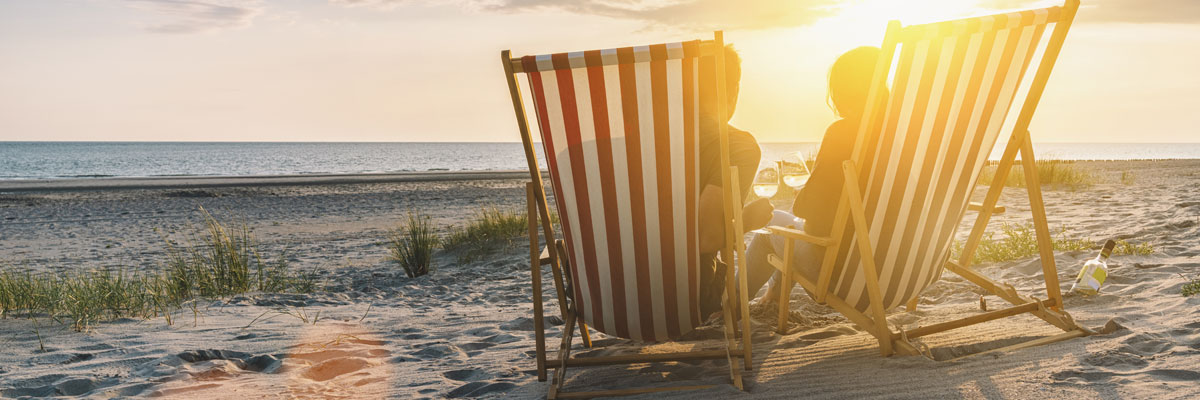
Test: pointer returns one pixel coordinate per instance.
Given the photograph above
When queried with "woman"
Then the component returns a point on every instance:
(816, 203)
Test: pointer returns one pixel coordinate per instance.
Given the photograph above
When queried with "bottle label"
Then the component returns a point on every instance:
(1090, 279)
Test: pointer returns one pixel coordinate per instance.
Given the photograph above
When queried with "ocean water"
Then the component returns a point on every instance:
(29, 160)
(39, 160)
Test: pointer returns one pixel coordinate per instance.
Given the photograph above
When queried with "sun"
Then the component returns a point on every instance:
(908, 12)
(863, 21)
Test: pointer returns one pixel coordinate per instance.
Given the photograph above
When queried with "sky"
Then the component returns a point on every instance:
(426, 70)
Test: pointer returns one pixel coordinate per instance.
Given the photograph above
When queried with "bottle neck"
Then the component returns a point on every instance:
(1106, 250)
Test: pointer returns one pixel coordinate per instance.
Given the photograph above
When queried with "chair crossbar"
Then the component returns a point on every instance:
(628, 392)
(974, 319)
(645, 358)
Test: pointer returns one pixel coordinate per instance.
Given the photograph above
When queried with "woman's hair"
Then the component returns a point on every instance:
(850, 79)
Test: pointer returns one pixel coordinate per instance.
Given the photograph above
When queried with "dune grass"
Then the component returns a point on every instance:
(412, 245)
(222, 263)
(225, 261)
(1051, 174)
(491, 229)
(1128, 178)
(1191, 288)
(1020, 241)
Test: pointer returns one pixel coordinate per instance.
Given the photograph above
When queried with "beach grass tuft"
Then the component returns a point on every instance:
(225, 261)
(492, 228)
(1125, 247)
(222, 264)
(1191, 288)
(1051, 173)
(1127, 178)
(412, 245)
(1020, 241)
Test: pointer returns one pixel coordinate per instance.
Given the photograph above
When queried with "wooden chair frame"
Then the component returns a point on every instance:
(552, 256)
(851, 206)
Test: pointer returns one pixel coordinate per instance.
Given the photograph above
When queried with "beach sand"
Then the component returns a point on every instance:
(466, 330)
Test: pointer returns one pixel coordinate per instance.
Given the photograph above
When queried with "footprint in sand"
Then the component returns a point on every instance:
(467, 375)
(476, 346)
(54, 385)
(518, 324)
(1076, 376)
(1143, 344)
(476, 389)
(438, 351)
(1116, 360)
(336, 361)
(501, 339)
(483, 331)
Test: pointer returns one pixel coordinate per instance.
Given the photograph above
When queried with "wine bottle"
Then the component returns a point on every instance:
(1091, 277)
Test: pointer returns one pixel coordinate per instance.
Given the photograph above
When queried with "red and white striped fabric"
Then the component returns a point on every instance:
(952, 89)
(620, 130)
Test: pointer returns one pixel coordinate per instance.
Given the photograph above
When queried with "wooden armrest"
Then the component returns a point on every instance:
(798, 234)
(979, 207)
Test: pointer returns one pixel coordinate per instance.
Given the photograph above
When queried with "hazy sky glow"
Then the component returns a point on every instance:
(425, 70)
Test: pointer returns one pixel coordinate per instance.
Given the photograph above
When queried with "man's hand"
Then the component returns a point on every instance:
(755, 215)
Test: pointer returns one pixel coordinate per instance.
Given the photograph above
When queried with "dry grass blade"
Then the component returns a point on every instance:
(492, 229)
(1020, 241)
(1051, 174)
(412, 245)
(224, 263)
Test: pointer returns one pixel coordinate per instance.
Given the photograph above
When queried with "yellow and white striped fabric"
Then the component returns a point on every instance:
(952, 89)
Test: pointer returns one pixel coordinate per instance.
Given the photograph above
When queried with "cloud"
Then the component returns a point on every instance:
(1126, 11)
(195, 16)
(390, 4)
(698, 14)
(757, 14)
(695, 14)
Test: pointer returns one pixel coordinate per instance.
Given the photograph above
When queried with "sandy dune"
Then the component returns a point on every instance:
(466, 330)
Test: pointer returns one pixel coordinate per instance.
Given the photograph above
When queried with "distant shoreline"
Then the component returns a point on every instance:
(196, 182)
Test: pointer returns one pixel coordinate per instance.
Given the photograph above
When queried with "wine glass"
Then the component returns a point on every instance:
(794, 170)
(766, 182)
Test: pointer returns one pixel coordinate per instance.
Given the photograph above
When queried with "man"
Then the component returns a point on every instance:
(744, 154)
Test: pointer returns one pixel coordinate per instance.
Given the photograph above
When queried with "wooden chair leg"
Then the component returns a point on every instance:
(583, 334)
(730, 335)
(867, 257)
(535, 270)
(740, 259)
(564, 353)
(1040, 226)
(785, 289)
(561, 276)
(556, 267)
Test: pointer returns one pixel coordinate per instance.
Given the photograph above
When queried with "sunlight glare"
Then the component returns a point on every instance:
(863, 21)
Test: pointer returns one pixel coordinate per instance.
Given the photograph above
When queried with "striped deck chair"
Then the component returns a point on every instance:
(916, 163)
(620, 131)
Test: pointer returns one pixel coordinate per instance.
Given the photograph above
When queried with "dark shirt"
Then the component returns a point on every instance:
(818, 200)
(744, 153)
